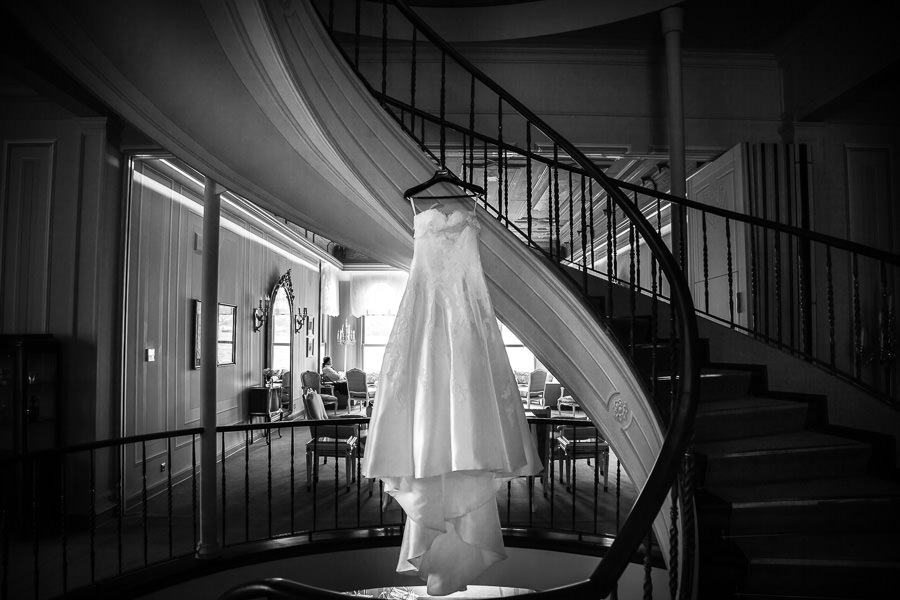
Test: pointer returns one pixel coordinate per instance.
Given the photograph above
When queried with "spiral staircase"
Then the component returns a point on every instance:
(787, 506)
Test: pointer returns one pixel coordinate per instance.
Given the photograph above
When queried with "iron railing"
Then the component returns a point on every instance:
(77, 518)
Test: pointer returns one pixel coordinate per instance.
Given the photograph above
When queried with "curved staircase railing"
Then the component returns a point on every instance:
(479, 149)
(827, 300)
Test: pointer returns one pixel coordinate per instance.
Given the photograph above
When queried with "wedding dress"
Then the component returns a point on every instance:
(448, 425)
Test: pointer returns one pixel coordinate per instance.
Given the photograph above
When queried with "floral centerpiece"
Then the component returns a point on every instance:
(272, 375)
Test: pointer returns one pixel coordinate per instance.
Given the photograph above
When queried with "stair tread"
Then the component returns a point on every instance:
(748, 404)
(837, 548)
(809, 489)
(795, 441)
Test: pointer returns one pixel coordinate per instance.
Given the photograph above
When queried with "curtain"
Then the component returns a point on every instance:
(376, 293)
(330, 298)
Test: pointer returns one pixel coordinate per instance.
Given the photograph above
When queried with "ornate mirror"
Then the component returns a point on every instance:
(281, 325)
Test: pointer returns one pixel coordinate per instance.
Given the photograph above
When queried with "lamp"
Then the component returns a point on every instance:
(345, 335)
(260, 314)
(301, 318)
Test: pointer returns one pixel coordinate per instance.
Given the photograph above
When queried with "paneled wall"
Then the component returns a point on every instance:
(164, 277)
(59, 257)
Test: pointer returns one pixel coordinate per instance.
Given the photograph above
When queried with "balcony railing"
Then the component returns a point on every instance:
(77, 518)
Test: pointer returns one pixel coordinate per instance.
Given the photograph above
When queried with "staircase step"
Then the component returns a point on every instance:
(781, 457)
(662, 351)
(836, 515)
(748, 417)
(825, 563)
(849, 486)
(715, 384)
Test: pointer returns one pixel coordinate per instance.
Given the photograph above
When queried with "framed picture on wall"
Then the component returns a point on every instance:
(195, 363)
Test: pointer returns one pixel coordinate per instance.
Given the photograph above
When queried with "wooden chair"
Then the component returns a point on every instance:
(311, 381)
(338, 441)
(358, 388)
(576, 442)
(535, 387)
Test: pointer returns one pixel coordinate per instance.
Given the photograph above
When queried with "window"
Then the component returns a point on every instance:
(376, 329)
(521, 358)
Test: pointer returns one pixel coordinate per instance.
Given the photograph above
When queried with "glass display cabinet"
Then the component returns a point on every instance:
(29, 393)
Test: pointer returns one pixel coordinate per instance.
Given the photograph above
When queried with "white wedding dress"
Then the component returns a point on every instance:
(448, 425)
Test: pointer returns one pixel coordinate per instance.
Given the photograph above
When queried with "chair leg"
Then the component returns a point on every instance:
(308, 470)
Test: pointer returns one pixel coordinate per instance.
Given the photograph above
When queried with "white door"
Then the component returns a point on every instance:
(721, 183)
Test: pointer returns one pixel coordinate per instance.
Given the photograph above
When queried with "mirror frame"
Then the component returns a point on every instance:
(285, 284)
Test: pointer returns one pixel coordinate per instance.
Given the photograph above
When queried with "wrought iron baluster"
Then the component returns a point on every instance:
(609, 256)
(412, 83)
(246, 482)
(571, 219)
(597, 478)
(472, 129)
(293, 525)
(169, 507)
(120, 516)
(64, 539)
(574, 471)
(885, 343)
(705, 261)
(857, 323)
(673, 541)
(384, 27)
(443, 108)
(331, 16)
(35, 529)
(194, 500)
(506, 186)
(632, 292)
(765, 242)
(615, 241)
(269, 476)
(500, 172)
(144, 498)
(224, 494)
(528, 182)
(829, 283)
(92, 517)
(356, 38)
(648, 570)
(485, 175)
(584, 252)
(556, 198)
(554, 193)
(591, 211)
(730, 273)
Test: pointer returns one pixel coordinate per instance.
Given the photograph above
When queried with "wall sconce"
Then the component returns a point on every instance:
(345, 335)
(260, 314)
(301, 318)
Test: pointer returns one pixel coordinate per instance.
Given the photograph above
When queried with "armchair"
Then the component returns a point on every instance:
(311, 381)
(338, 441)
(534, 388)
(358, 388)
(576, 442)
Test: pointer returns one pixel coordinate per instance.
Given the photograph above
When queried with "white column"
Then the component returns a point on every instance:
(672, 25)
(210, 542)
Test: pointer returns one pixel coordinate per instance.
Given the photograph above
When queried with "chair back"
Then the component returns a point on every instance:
(586, 432)
(536, 381)
(356, 383)
(310, 381)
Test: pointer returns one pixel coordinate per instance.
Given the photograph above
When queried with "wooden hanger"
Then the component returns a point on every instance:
(443, 175)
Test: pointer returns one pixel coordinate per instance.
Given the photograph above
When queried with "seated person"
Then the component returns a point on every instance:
(329, 375)
(337, 381)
